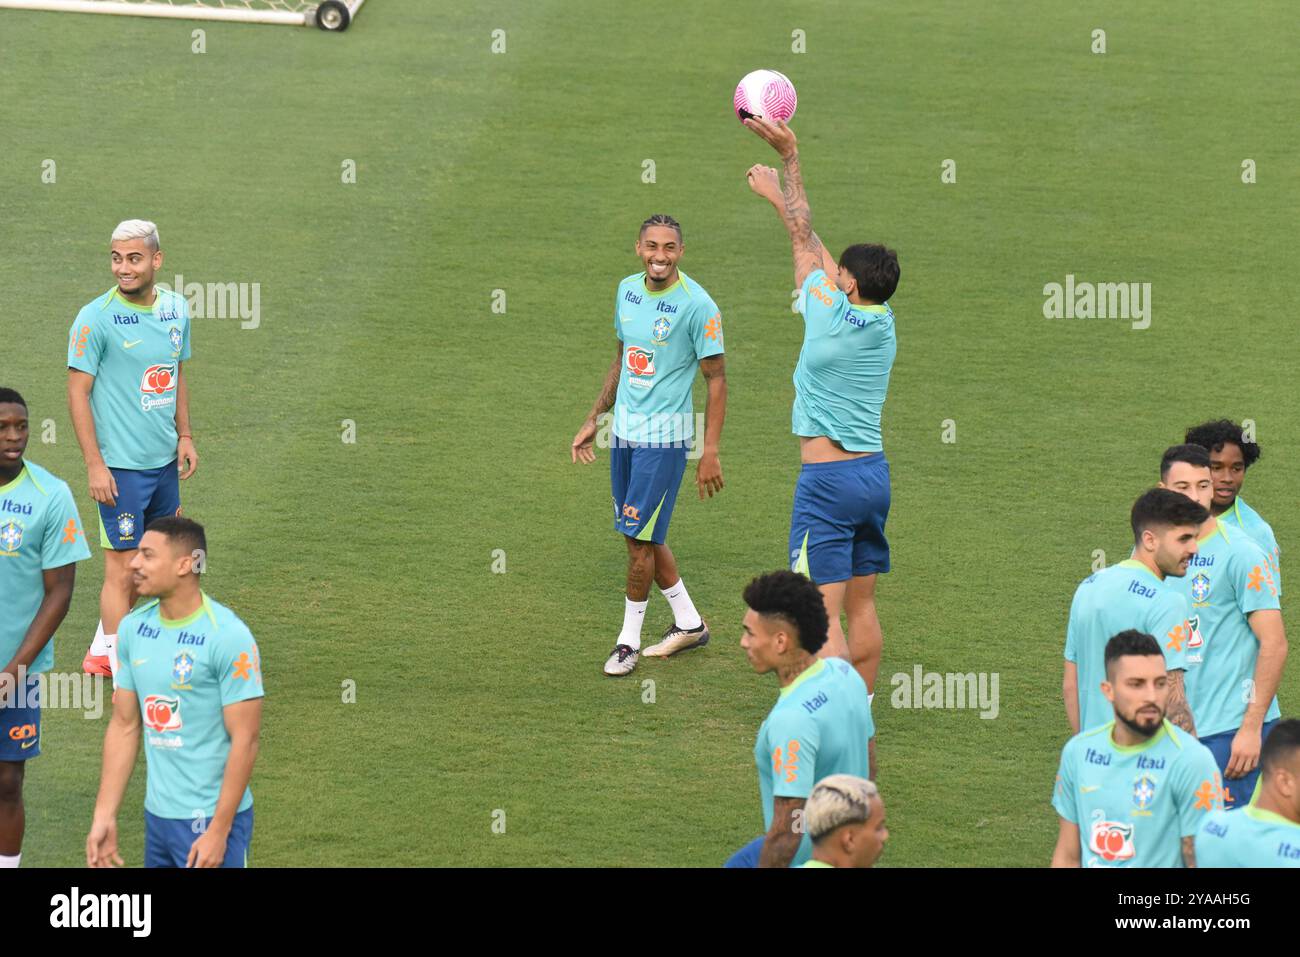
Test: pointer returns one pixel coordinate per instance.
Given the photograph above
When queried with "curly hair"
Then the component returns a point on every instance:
(796, 601)
(1213, 436)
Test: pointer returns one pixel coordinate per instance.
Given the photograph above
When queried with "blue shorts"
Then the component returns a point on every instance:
(20, 723)
(837, 524)
(167, 840)
(1239, 790)
(748, 855)
(645, 480)
(142, 496)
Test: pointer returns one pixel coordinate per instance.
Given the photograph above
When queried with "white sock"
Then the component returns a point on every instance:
(97, 645)
(633, 616)
(7, 861)
(870, 699)
(684, 613)
(110, 642)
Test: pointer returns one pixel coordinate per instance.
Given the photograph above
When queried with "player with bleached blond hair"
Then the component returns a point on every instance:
(129, 402)
(845, 818)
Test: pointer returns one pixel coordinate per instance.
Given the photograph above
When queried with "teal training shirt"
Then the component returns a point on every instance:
(1228, 579)
(1260, 532)
(1248, 837)
(664, 335)
(134, 354)
(1115, 599)
(843, 372)
(1133, 805)
(39, 530)
(185, 673)
(820, 725)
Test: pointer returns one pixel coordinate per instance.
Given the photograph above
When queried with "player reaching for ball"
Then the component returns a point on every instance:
(841, 500)
(666, 325)
(189, 681)
(129, 402)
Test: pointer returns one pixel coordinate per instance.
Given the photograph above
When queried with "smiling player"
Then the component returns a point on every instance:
(129, 402)
(667, 326)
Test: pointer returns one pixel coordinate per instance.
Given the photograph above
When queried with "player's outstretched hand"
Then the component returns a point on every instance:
(101, 845)
(708, 474)
(103, 487)
(1246, 745)
(208, 850)
(187, 457)
(766, 182)
(582, 450)
(779, 136)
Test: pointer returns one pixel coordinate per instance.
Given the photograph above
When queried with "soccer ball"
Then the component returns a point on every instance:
(767, 94)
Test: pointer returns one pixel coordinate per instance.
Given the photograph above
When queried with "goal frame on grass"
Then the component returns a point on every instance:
(331, 15)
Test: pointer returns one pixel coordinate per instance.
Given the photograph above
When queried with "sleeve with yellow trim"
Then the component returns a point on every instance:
(1168, 623)
(1066, 794)
(794, 738)
(1198, 788)
(63, 541)
(706, 329)
(238, 662)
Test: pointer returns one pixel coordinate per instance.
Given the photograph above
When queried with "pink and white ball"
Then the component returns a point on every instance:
(767, 94)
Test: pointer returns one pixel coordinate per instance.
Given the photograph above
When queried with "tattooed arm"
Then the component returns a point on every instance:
(783, 837)
(809, 254)
(1179, 711)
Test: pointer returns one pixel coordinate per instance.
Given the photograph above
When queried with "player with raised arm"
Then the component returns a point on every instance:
(1238, 646)
(190, 674)
(666, 326)
(821, 722)
(1266, 832)
(841, 500)
(1134, 791)
(41, 541)
(1231, 454)
(1132, 595)
(129, 402)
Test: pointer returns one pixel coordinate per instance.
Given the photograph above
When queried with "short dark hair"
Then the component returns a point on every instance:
(1191, 454)
(185, 532)
(1131, 642)
(875, 268)
(795, 600)
(1214, 435)
(1161, 508)
(11, 397)
(661, 219)
(1281, 745)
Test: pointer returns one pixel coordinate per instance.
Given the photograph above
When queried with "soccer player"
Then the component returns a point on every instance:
(1238, 644)
(1132, 595)
(40, 543)
(1230, 456)
(1134, 791)
(820, 725)
(129, 401)
(189, 672)
(667, 326)
(841, 500)
(845, 817)
(1266, 832)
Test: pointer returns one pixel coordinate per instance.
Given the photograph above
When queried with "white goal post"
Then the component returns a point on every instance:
(326, 14)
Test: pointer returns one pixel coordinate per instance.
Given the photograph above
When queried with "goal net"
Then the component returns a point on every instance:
(326, 14)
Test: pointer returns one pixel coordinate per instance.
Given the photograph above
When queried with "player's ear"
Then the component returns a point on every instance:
(1109, 691)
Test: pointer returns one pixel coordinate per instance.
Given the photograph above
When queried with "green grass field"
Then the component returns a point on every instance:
(479, 692)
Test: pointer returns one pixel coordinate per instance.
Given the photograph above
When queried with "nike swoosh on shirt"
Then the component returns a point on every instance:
(131, 345)
(1089, 789)
(623, 318)
(139, 661)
